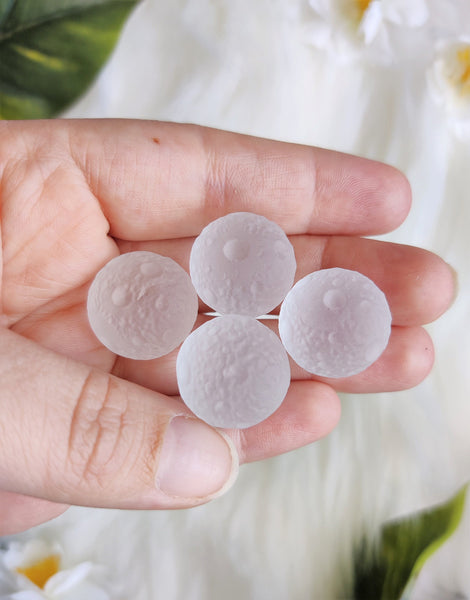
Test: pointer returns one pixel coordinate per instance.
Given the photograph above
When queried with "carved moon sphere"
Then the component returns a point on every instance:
(233, 372)
(142, 305)
(242, 264)
(335, 323)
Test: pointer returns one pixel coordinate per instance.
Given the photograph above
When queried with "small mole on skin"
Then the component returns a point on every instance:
(156, 140)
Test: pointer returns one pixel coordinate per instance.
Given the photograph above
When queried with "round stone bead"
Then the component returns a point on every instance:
(142, 305)
(233, 372)
(242, 264)
(335, 323)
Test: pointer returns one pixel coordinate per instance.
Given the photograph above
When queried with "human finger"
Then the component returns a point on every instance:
(405, 362)
(92, 439)
(74, 435)
(418, 284)
(165, 180)
(310, 411)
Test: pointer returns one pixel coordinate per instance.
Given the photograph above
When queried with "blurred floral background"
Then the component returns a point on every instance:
(378, 509)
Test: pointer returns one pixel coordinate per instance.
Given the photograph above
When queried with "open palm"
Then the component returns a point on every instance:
(80, 425)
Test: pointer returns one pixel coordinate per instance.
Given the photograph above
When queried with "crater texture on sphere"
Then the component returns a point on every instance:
(335, 323)
(142, 305)
(233, 372)
(242, 264)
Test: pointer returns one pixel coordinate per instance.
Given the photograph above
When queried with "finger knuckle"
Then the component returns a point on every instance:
(102, 438)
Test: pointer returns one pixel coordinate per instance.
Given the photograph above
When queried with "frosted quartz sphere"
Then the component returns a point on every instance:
(335, 323)
(233, 372)
(142, 305)
(242, 264)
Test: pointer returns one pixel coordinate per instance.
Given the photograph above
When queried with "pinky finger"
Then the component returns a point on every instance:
(309, 412)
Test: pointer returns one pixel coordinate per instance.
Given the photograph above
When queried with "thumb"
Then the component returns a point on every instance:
(75, 435)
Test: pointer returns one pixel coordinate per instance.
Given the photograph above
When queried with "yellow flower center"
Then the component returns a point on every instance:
(39, 573)
(463, 79)
(352, 11)
(362, 6)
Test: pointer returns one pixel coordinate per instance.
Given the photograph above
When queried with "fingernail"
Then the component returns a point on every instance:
(455, 276)
(196, 461)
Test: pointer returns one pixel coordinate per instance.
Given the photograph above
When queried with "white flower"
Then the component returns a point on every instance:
(382, 29)
(32, 571)
(449, 81)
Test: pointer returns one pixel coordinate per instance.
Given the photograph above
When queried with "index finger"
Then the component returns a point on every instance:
(163, 180)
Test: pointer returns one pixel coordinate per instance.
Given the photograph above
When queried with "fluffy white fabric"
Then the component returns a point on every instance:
(310, 73)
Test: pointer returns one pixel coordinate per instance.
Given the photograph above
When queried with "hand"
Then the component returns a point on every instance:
(79, 425)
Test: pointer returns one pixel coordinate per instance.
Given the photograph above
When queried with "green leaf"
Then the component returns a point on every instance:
(404, 547)
(51, 50)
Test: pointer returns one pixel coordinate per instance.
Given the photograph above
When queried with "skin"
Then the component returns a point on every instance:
(73, 195)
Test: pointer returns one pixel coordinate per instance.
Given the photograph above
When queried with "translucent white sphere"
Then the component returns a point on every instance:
(242, 264)
(233, 372)
(142, 305)
(335, 322)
